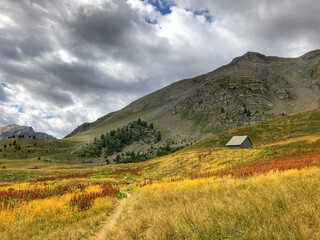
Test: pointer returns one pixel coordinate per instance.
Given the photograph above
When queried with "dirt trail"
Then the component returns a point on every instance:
(109, 225)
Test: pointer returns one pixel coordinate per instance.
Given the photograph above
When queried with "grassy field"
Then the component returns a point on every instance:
(195, 194)
(201, 192)
(278, 205)
(32, 210)
(36, 153)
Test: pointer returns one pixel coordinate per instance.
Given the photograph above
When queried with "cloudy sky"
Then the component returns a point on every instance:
(65, 62)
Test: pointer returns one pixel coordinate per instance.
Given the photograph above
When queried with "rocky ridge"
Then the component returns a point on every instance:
(16, 130)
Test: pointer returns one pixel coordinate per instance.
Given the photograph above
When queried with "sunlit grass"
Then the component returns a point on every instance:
(279, 205)
(201, 192)
(38, 209)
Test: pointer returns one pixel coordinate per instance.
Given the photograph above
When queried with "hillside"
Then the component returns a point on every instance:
(16, 130)
(34, 153)
(204, 191)
(270, 138)
(267, 132)
(208, 192)
(251, 88)
(137, 141)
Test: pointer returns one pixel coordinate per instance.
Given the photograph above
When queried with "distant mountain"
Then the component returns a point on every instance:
(251, 88)
(17, 131)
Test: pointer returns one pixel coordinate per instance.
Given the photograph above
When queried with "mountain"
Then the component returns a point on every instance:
(250, 89)
(17, 130)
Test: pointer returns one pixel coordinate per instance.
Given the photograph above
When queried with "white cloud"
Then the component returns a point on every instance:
(6, 22)
(66, 57)
(69, 62)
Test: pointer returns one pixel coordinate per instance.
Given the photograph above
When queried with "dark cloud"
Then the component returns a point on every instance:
(8, 50)
(3, 95)
(102, 26)
(78, 60)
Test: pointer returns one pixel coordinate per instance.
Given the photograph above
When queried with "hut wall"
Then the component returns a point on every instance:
(246, 144)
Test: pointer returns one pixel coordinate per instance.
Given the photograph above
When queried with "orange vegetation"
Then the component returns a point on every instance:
(11, 197)
(85, 200)
(144, 182)
(295, 160)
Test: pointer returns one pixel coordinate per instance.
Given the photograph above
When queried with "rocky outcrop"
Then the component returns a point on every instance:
(16, 130)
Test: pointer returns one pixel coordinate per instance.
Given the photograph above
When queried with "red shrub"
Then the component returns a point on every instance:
(9, 198)
(85, 200)
(295, 160)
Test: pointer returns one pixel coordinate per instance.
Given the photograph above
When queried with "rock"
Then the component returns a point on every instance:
(16, 130)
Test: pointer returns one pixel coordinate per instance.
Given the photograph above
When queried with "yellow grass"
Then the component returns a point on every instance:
(307, 139)
(53, 218)
(184, 163)
(274, 206)
(279, 205)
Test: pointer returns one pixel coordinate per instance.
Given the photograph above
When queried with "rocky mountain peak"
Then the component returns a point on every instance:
(253, 55)
(17, 130)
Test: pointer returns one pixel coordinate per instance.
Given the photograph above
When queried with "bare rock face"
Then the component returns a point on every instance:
(251, 88)
(17, 131)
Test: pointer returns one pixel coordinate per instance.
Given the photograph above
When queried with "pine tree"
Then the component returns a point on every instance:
(168, 148)
(159, 136)
(118, 158)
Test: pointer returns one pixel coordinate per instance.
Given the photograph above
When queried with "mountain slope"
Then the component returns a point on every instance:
(283, 128)
(250, 89)
(10, 130)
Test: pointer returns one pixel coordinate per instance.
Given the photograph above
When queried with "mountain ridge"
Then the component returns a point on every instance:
(18, 130)
(251, 88)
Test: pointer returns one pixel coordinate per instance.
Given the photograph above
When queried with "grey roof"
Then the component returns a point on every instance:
(237, 140)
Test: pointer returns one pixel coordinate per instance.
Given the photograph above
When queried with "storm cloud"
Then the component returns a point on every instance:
(63, 63)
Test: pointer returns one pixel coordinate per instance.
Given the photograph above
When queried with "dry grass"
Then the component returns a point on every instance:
(55, 207)
(240, 203)
(194, 161)
(279, 205)
(294, 160)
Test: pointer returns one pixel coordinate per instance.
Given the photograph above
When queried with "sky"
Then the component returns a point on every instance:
(66, 62)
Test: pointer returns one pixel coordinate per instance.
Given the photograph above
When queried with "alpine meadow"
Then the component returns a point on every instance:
(99, 141)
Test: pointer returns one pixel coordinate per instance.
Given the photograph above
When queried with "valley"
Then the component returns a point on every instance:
(167, 152)
(203, 191)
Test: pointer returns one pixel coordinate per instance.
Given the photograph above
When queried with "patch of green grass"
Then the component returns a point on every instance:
(121, 195)
(280, 128)
(186, 112)
(225, 82)
(201, 119)
(311, 72)
(23, 152)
